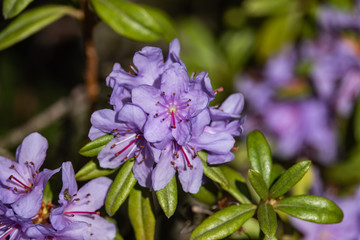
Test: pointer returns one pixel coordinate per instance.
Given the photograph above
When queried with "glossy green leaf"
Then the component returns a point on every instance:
(289, 178)
(259, 155)
(167, 197)
(357, 121)
(134, 21)
(267, 220)
(212, 172)
(207, 193)
(223, 223)
(31, 22)
(93, 148)
(237, 185)
(276, 171)
(120, 188)
(141, 214)
(258, 184)
(311, 208)
(91, 170)
(11, 8)
(264, 7)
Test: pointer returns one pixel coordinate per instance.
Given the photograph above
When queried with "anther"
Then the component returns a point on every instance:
(88, 195)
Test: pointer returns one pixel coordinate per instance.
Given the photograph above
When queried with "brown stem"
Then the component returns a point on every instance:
(92, 61)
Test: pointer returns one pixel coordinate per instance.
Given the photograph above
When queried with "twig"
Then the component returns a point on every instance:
(52, 114)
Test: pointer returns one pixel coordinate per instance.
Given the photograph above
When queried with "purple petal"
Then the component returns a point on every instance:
(105, 120)
(95, 133)
(202, 82)
(191, 178)
(156, 130)
(69, 182)
(133, 116)
(199, 101)
(43, 177)
(32, 149)
(174, 80)
(119, 97)
(220, 158)
(146, 97)
(99, 228)
(218, 143)
(164, 171)
(182, 132)
(120, 77)
(230, 108)
(58, 219)
(199, 122)
(91, 196)
(143, 168)
(29, 204)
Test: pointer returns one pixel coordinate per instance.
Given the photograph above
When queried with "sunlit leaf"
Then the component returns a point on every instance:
(11, 8)
(259, 155)
(91, 170)
(311, 208)
(212, 172)
(141, 214)
(93, 148)
(167, 197)
(120, 188)
(31, 22)
(223, 223)
(134, 21)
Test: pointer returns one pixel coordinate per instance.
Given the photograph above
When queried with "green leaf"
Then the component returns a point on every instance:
(47, 193)
(208, 193)
(11, 8)
(167, 197)
(31, 22)
(120, 188)
(91, 170)
(259, 155)
(237, 185)
(141, 214)
(223, 223)
(311, 208)
(276, 171)
(134, 21)
(258, 183)
(357, 121)
(212, 172)
(93, 148)
(267, 220)
(289, 178)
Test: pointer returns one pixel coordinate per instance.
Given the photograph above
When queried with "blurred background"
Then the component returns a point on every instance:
(297, 62)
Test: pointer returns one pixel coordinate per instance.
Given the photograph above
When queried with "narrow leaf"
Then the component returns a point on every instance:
(133, 20)
(208, 193)
(237, 186)
(141, 214)
(276, 171)
(91, 170)
(47, 193)
(259, 155)
(11, 8)
(267, 220)
(258, 183)
(167, 197)
(214, 173)
(120, 188)
(93, 148)
(31, 22)
(311, 208)
(289, 178)
(223, 223)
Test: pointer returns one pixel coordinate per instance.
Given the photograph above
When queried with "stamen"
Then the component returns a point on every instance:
(18, 181)
(81, 212)
(122, 150)
(216, 91)
(173, 119)
(234, 148)
(7, 233)
(186, 158)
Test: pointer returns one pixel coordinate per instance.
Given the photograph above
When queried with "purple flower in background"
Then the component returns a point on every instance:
(81, 206)
(11, 225)
(127, 126)
(22, 182)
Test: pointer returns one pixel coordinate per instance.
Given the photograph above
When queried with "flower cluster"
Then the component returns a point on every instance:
(304, 87)
(161, 117)
(24, 214)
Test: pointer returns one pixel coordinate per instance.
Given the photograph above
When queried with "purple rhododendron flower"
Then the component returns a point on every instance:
(11, 225)
(81, 205)
(161, 117)
(22, 182)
